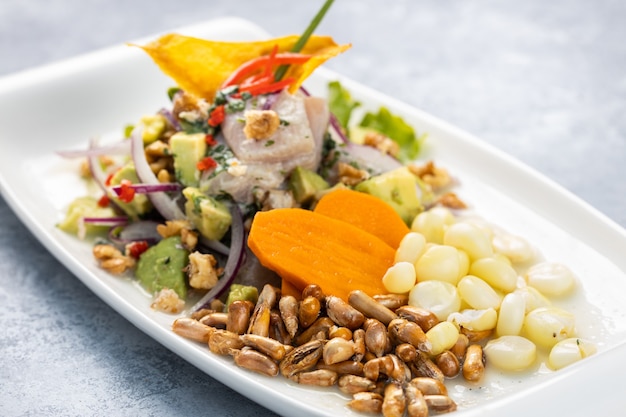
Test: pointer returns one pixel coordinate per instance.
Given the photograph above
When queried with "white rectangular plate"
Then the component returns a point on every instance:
(60, 106)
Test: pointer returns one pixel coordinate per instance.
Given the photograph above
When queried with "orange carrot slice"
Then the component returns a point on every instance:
(365, 212)
(304, 247)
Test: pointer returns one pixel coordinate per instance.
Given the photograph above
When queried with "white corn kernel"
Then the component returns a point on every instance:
(442, 337)
(533, 299)
(440, 263)
(478, 294)
(551, 278)
(496, 273)
(515, 248)
(429, 224)
(470, 238)
(569, 351)
(399, 278)
(511, 353)
(464, 263)
(411, 247)
(441, 298)
(547, 326)
(512, 313)
(476, 320)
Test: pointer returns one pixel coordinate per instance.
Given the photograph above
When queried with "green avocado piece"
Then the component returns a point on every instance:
(141, 203)
(399, 188)
(187, 151)
(161, 266)
(305, 184)
(240, 292)
(85, 207)
(210, 216)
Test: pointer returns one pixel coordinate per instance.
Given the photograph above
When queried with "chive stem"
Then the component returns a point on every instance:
(302, 40)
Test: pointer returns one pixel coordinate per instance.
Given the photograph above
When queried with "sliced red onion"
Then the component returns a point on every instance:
(233, 263)
(214, 245)
(119, 148)
(170, 119)
(160, 200)
(106, 221)
(150, 188)
(145, 230)
(372, 157)
(270, 99)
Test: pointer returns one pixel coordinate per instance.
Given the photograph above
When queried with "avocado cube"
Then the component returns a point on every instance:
(84, 207)
(187, 151)
(399, 188)
(305, 184)
(162, 266)
(210, 216)
(140, 204)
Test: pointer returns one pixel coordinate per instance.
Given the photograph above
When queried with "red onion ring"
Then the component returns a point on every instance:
(150, 188)
(166, 206)
(145, 230)
(106, 221)
(233, 263)
(119, 148)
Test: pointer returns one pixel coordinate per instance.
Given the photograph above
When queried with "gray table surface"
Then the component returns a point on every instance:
(543, 81)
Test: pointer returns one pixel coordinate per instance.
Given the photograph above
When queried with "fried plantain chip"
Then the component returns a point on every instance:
(200, 66)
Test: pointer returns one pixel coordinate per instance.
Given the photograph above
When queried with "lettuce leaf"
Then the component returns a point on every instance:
(341, 103)
(395, 128)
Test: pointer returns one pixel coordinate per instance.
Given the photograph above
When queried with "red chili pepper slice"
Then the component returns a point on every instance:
(135, 249)
(217, 116)
(210, 140)
(206, 164)
(104, 201)
(263, 88)
(259, 64)
(127, 192)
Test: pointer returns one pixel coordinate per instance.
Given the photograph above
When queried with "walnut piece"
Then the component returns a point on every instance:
(201, 270)
(432, 175)
(382, 143)
(168, 301)
(112, 259)
(260, 124)
(350, 175)
(173, 228)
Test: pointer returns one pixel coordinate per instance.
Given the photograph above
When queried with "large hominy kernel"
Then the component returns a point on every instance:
(441, 298)
(551, 278)
(511, 353)
(515, 248)
(470, 238)
(478, 294)
(511, 317)
(533, 298)
(476, 320)
(411, 248)
(569, 351)
(442, 337)
(429, 224)
(440, 263)
(496, 273)
(549, 325)
(399, 278)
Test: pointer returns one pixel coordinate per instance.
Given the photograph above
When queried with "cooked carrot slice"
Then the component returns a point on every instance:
(304, 247)
(365, 212)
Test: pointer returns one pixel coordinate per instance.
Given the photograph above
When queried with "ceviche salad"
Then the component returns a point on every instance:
(305, 239)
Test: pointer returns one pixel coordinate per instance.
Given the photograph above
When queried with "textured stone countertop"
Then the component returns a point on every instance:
(543, 81)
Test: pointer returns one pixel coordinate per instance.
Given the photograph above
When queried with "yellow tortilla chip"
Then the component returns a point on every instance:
(201, 66)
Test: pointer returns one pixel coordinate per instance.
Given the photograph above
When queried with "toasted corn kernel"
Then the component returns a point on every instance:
(460, 347)
(394, 401)
(309, 311)
(392, 301)
(448, 363)
(370, 307)
(288, 306)
(376, 337)
(239, 312)
(429, 386)
(302, 358)
(272, 348)
(404, 331)
(318, 377)
(321, 325)
(440, 403)
(423, 366)
(474, 364)
(222, 342)
(351, 384)
(366, 402)
(424, 318)
(349, 367)
(343, 313)
(255, 361)
(217, 320)
(342, 332)
(192, 329)
(337, 350)
(415, 403)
